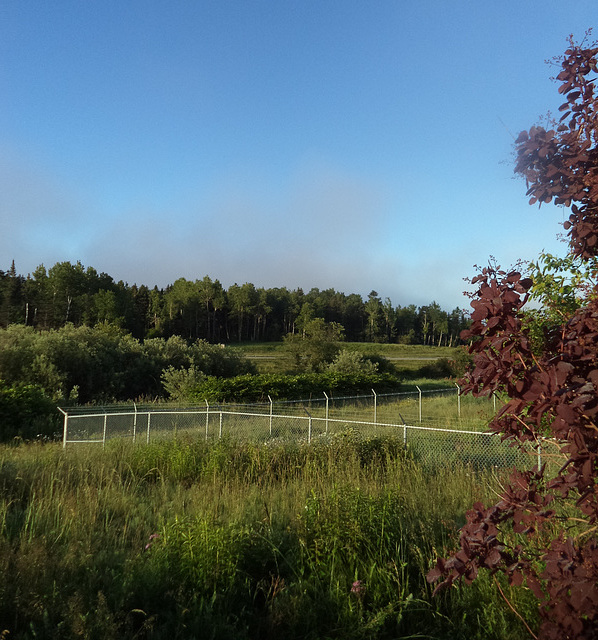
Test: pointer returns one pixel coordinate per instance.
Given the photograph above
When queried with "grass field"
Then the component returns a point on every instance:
(183, 539)
(387, 350)
(270, 357)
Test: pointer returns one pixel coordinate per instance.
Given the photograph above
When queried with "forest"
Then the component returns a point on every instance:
(203, 309)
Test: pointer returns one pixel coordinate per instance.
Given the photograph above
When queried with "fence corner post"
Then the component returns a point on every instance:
(458, 400)
(420, 402)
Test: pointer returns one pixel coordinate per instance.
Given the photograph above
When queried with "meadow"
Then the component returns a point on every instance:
(271, 357)
(187, 539)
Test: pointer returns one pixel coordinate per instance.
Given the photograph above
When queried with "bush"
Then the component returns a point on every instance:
(440, 368)
(347, 361)
(105, 363)
(316, 347)
(256, 388)
(26, 412)
(179, 383)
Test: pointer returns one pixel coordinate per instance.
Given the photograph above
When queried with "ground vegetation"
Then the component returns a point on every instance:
(186, 539)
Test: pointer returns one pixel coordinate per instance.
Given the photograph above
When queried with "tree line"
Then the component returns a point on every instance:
(203, 309)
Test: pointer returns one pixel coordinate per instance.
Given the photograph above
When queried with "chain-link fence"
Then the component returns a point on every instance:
(425, 435)
(433, 407)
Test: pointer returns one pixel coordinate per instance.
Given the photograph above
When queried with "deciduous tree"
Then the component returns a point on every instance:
(316, 346)
(542, 530)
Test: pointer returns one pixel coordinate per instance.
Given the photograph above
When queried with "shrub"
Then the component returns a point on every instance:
(25, 412)
(105, 363)
(255, 388)
(179, 383)
(347, 361)
(541, 531)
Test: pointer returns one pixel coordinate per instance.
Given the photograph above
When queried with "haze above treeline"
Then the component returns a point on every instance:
(204, 309)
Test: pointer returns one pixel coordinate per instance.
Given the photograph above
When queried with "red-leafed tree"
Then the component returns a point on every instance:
(542, 531)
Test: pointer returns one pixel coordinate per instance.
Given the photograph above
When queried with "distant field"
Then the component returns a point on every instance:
(404, 351)
(269, 357)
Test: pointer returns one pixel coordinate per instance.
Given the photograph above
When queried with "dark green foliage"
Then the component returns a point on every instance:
(382, 364)
(440, 368)
(26, 412)
(256, 388)
(461, 363)
(104, 363)
(316, 346)
(203, 309)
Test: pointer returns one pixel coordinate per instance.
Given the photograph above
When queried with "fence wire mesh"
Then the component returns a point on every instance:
(438, 427)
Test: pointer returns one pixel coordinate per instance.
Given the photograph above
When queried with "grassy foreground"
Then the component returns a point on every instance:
(182, 539)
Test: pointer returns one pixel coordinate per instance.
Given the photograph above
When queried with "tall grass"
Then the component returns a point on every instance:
(183, 539)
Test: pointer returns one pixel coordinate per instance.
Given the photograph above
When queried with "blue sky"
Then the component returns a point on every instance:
(352, 145)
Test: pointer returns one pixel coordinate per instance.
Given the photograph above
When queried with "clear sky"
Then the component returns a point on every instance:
(299, 143)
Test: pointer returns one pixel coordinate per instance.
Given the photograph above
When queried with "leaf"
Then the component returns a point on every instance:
(493, 558)
(513, 276)
(526, 283)
(535, 587)
(436, 573)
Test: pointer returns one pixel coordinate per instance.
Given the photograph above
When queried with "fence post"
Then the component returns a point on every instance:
(135, 422)
(405, 436)
(269, 398)
(207, 418)
(326, 396)
(308, 426)
(104, 435)
(375, 406)
(420, 402)
(66, 426)
(539, 454)
(220, 430)
(458, 400)
(149, 417)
